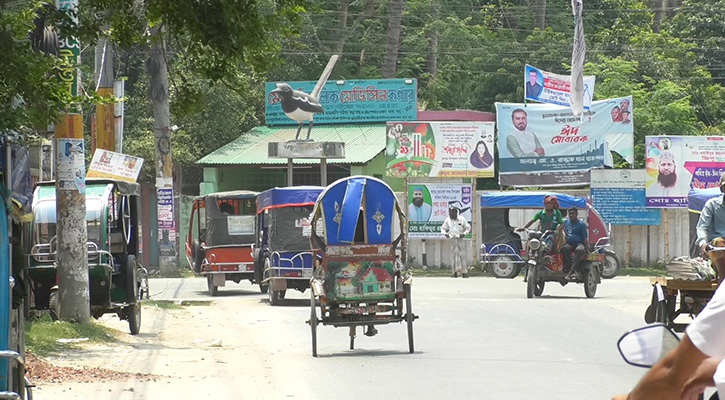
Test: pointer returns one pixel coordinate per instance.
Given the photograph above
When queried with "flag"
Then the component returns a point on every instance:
(579, 50)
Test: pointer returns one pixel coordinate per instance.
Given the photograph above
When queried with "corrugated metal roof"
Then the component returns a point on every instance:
(362, 143)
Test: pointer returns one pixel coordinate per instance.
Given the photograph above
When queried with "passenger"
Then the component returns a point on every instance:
(576, 241)
(711, 230)
(694, 364)
(550, 219)
(226, 208)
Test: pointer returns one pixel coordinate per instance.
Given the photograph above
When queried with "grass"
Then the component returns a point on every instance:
(42, 334)
(475, 270)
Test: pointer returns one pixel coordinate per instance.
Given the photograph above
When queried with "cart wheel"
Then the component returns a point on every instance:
(539, 289)
(409, 317)
(133, 313)
(530, 281)
(590, 286)
(661, 312)
(313, 323)
(282, 293)
(210, 286)
(274, 297)
(504, 267)
(352, 337)
(53, 305)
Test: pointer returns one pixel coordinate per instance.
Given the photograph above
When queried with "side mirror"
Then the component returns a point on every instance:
(644, 347)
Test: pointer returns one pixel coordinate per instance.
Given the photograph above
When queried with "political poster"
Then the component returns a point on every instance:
(428, 205)
(619, 196)
(440, 149)
(546, 145)
(674, 164)
(546, 87)
(108, 164)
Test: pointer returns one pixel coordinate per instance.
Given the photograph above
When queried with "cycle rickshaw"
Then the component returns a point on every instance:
(359, 279)
(283, 256)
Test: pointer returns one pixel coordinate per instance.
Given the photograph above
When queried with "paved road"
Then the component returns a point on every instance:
(477, 338)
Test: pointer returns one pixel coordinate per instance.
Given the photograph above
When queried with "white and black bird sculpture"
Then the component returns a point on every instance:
(301, 106)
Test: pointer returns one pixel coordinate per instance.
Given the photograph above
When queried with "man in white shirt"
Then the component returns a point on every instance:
(455, 227)
(521, 142)
(418, 209)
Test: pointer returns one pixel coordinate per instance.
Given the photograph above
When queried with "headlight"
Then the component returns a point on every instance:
(534, 244)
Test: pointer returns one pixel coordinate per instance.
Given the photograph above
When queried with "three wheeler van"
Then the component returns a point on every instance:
(117, 280)
(220, 242)
(283, 254)
(359, 278)
(503, 251)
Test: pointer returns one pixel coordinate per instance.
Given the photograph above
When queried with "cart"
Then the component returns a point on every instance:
(359, 279)
(674, 297)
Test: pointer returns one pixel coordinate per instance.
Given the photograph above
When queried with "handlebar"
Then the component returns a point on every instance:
(710, 248)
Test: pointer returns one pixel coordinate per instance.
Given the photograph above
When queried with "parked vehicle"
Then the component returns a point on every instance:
(359, 280)
(117, 280)
(283, 255)
(503, 251)
(220, 243)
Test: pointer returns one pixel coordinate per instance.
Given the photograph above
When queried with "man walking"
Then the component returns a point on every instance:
(455, 227)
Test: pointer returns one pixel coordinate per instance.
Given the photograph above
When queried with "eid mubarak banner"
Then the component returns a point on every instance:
(546, 145)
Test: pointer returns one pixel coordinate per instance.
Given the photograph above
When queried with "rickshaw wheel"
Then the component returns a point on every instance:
(53, 305)
(274, 297)
(210, 285)
(503, 267)
(131, 279)
(409, 317)
(531, 281)
(539, 289)
(133, 312)
(611, 265)
(282, 293)
(259, 271)
(313, 323)
(590, 286)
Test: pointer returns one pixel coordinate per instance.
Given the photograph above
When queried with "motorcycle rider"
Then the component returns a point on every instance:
(576, 233)
(711, 230)
(694, 364)
(550, 219)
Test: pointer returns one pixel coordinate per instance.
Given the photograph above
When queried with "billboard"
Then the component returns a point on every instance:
(108, 164)
(619, 196)
(440, 149)
(677, 163)
(545, 87)
(546, 145)
(428, 205)
(369, 100)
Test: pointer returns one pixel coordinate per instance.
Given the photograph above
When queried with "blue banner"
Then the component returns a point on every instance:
(619, 196)
(370, 100)
(545, 145)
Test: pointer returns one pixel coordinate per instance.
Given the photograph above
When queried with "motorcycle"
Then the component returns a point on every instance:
(644, 347)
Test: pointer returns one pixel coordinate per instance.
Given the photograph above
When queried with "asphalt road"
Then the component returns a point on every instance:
(477, 338)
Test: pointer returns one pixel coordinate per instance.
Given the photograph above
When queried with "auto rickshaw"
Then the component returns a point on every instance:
(283, 255)
(359, 278)
(221, 236)
(503, 251)
(117, 280)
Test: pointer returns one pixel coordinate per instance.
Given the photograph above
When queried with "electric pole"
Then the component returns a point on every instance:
(159, 96)
(70, 186)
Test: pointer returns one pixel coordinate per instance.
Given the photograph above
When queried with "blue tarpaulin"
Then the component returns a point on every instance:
(295, 196)
(529, 200)
(698, 197)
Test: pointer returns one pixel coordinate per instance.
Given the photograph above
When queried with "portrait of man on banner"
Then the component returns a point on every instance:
(534, 84)
(419, 209)
(521, 142)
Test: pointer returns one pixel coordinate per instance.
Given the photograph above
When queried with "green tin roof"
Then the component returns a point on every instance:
(362, 143)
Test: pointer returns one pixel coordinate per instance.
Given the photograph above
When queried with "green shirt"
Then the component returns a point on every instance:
(549, 222)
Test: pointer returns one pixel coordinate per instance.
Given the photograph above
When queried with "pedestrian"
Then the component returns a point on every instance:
(455, 228)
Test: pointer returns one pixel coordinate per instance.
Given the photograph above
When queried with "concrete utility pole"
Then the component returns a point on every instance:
(70, 186)
(159, 96)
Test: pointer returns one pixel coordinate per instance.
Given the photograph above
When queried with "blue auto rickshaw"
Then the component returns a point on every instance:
(283, 255)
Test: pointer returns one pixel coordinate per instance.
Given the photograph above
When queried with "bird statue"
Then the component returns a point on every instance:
(301, 106)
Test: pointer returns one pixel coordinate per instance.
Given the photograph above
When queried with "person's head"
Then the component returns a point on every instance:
(624, 105)
(573, 214)
(418, 197)
(226, 208)
(453, 212)
(519, 119)
(481, 148)
(667, 174)
(533, 76)
(616, 114)
(551, 203)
